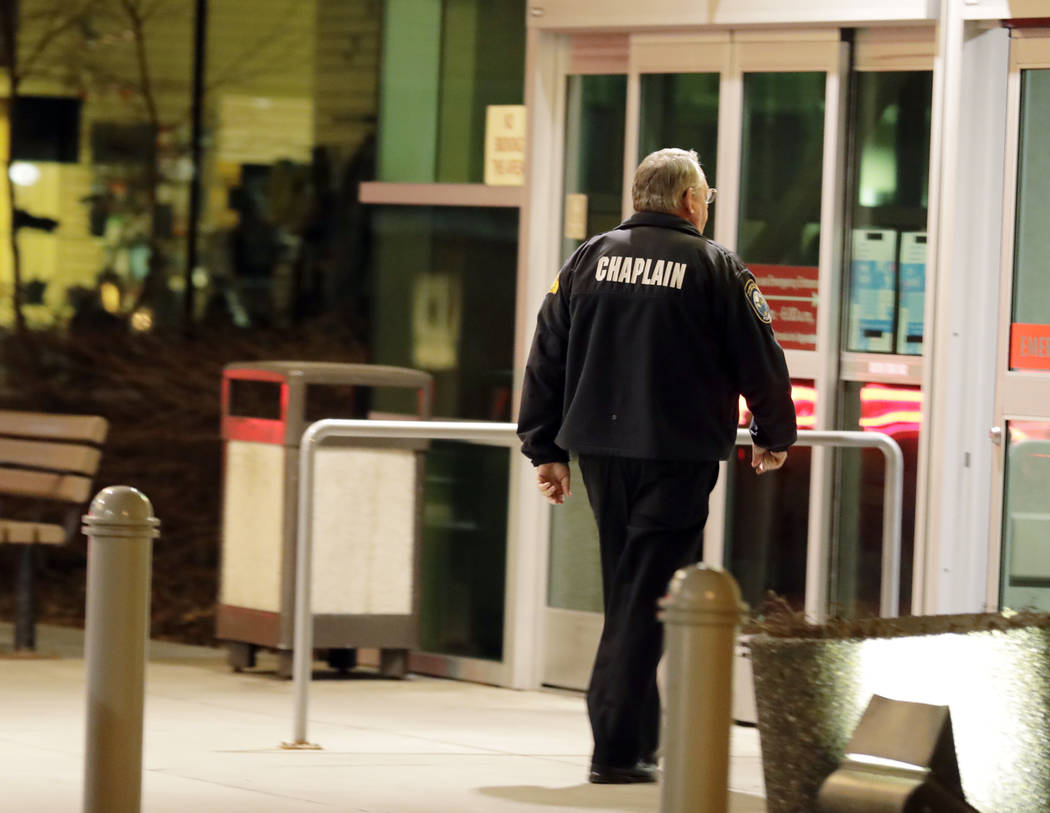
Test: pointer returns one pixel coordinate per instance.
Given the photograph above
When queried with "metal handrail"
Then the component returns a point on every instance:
(505, 434)
(502, 434)
(892, 501)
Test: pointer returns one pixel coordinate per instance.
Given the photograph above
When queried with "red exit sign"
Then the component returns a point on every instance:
(1029, 347)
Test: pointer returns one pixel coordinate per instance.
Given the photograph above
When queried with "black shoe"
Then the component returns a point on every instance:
(607, 775)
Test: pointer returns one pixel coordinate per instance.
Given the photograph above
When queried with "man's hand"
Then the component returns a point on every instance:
(763, 460)
(552, 479)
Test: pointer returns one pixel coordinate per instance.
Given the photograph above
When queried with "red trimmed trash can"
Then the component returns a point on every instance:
(366, 510)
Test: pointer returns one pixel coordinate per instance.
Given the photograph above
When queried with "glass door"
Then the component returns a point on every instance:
(1021, 497)
(887, 194)
(778, 238)
(595, 92)
(782, 220)
(755, 110)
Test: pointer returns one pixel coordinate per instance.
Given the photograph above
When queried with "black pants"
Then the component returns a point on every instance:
(651, 516)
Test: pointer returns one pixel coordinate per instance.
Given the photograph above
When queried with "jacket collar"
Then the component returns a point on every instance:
(661, 220)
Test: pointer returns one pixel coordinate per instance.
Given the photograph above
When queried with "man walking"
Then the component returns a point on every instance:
(643, 345)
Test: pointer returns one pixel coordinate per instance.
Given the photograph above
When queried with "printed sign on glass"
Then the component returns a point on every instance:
(873, 290)
(913, 293)
(576, 216)
(505, 145)
(791, 293)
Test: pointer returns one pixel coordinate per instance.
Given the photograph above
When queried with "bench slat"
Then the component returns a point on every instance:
(65, 487)
(87, 428)
(26, 533)
(55, 456)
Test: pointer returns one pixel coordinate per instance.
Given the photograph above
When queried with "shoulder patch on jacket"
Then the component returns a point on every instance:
(757, 301)
(554, 287)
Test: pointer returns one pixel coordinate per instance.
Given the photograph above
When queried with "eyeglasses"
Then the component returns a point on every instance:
(712, 193)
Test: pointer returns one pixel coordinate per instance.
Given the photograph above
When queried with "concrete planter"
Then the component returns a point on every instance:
(993, 673)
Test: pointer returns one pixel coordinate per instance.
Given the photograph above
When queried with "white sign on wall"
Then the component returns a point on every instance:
(505, 145)
(576, 216)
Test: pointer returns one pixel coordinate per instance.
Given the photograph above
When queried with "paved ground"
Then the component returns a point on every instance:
(212, 740)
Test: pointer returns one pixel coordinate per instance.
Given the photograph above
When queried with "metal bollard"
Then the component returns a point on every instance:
(701, 612)
(120, 527)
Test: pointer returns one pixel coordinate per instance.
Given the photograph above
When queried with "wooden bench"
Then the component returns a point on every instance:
(47, 464)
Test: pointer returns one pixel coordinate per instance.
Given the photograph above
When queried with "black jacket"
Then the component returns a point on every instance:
(643, 345)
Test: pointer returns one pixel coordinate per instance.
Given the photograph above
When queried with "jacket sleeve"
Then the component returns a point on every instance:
(758, 362)
(543, 388)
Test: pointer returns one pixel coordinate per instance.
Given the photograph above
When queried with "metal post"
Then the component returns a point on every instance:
(120, 527)
(700, 613)
(25, 601)
(200, 39)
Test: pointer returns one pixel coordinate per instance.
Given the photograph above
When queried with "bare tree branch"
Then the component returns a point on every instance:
(111, 79)
(133, 8)
(157, 9)
(236, 70)
(109, 12)
(32, 12)
(66, 22)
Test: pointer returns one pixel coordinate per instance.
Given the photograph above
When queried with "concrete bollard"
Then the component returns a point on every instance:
(120, 527)
(701, 612)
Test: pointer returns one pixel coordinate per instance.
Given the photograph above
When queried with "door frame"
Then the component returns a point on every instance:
(551, 58)
(1019, 394)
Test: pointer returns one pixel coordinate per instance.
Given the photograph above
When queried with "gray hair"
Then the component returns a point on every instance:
(663, 177)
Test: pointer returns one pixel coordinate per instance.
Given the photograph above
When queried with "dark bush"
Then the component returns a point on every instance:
(160, 393)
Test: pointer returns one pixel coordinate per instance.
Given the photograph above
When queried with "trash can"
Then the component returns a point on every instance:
(366, 510)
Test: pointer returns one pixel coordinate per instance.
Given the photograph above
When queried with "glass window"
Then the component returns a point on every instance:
(681, 110)
(286, 251)
(856, 566)
(92, 224)
(289, 110)
(889, 172)
(768, 516)
(291, 105)
(594, 141)
(594, 144)
(443, 64)
(441, 291)
(575, 571)
(290, 115)
(46, 128)
(1025, 565)
(780, 198)
(779, 236)
(465, 488)
(1030, 333)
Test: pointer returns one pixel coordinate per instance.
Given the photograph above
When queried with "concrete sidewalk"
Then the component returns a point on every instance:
(212, 739)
